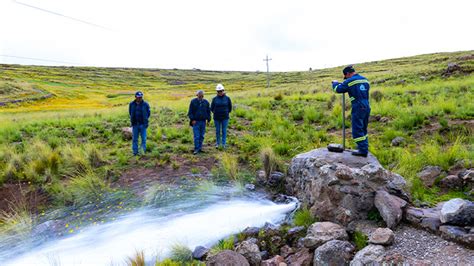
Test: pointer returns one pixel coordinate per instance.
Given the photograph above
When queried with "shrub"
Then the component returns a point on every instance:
(278, 97)
(304, 218)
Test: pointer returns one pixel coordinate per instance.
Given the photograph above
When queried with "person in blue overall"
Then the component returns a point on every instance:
(358, 89)
(139, 112)
(199, 113)
(221, 106)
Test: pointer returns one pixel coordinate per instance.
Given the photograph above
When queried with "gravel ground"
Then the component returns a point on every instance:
(422, 248)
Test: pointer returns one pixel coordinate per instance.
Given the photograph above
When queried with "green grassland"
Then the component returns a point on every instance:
(70, 147)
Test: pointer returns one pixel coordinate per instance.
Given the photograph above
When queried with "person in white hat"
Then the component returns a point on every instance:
(221, 106)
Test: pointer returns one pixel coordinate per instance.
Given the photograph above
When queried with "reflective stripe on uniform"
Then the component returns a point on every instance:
(335, 88)
(361, 138)
(359, 81)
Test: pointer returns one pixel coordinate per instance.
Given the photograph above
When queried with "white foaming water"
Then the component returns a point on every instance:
(112, 243)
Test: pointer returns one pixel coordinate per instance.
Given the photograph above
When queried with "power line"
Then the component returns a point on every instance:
(268, 71)
(38, 59)
(61, 15)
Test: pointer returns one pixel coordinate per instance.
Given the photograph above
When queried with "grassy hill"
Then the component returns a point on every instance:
(68, 147)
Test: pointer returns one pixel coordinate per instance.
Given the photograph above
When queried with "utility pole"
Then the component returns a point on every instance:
(268, 71)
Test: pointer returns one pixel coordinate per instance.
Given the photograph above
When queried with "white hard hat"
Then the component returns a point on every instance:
(219, 87)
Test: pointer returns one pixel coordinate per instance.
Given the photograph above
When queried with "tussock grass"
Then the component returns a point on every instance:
(230, 165)
(137, 260)
(17, 221)
(269, 161)
(181, 253)
(223, 244)
(304, 218)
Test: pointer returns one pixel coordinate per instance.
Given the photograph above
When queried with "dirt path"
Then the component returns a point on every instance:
(419, 247)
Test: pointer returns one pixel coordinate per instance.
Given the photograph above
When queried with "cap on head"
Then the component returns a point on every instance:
(219, 87)
(199, 92)
(348, 69)
(138, 94)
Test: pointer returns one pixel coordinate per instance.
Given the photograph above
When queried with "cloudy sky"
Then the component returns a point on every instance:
(229, 35)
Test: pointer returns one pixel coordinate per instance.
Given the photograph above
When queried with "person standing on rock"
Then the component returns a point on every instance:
(139, 112)
(221, 106)
(358, 89)
(199, 113)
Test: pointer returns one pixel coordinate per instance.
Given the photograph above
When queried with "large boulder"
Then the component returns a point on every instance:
(227, 257)
(370, 255)
(250, 251)
(340, 187)
(390, 207)
(200, 253)
(334, 252)
(322, 232)
(457, 212)
(382, 236)
(428, 218)
(303, 257)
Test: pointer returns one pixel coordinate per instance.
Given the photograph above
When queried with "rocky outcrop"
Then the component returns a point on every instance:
(390, 207)
(334, 252)
(227, 257)
(339, 187)
(322, 232)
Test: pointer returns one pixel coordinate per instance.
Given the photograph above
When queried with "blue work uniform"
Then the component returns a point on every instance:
(358, 89)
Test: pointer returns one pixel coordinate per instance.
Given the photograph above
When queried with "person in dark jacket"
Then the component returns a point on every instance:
(139, 112)
(358, 89)
(199, 113)
(221, 106)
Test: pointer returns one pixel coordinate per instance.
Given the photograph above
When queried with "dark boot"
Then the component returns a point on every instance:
(359, 153)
